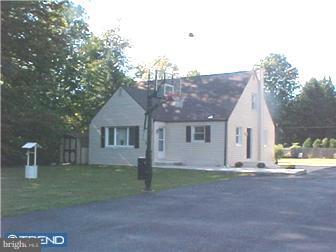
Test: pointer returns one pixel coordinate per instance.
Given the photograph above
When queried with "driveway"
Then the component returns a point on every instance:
(281, 213)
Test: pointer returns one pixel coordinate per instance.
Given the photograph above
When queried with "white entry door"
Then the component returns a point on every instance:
(161, 143)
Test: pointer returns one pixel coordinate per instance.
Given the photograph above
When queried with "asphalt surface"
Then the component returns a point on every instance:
(267, 213)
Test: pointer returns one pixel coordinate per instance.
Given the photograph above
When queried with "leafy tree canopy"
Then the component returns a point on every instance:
(281, 84)
(55, 74)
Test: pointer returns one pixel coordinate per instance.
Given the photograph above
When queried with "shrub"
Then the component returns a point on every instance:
(278, 152)
(238, 164)
(261, 165)
(317, 143)
(295, 146)
(332, 143)
(325, 143)
(295, 149)
(308, 143)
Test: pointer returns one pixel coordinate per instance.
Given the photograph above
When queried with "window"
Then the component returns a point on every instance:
(168, 89)
(254, 101)
(239, 136)
(199, 133)
(161, 139)
(119, 136)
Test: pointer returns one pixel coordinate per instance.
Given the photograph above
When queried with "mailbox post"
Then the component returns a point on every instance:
(31, 170)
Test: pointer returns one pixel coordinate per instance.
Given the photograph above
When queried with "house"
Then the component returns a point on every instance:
(217, 120)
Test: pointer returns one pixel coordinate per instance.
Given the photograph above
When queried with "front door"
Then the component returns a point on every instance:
(161, 143)
(249, 143)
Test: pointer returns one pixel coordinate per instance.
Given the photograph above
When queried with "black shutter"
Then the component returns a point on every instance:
(134, 136)
(102, 137)
(188, 134)
(207, 134)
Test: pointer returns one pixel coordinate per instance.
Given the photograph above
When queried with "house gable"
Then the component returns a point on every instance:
(116, 107)
(120, 111)
(246, 115)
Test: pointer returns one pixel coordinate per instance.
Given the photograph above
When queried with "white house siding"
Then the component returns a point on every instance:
(195, 153)
(243, 116)
(120, 110)
(268, 148)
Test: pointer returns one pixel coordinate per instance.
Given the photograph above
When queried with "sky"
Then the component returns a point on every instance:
(228, 35)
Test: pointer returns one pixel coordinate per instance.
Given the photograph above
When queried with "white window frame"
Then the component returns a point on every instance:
(254, 101)
(239, 136)
(193, 134)
(114, 145)
(165, 91)
(161, 139)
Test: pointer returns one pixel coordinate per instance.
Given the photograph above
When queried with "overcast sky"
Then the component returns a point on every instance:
(229, 35)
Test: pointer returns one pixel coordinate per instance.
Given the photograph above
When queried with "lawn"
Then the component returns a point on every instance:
(59, 186)
(308, 161)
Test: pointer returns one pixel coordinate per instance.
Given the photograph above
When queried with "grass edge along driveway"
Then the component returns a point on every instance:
(60, 186)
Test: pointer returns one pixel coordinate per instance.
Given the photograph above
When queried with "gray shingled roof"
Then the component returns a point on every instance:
(205, 95)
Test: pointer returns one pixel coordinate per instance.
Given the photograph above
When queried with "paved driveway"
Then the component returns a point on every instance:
(244, 214)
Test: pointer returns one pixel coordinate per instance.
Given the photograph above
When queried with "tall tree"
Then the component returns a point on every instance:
(281, 83)
(281, 87)
(313, 113)
(40, 65)
(106, 69)
(55, 73)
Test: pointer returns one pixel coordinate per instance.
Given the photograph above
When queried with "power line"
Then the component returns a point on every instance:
(309, 127)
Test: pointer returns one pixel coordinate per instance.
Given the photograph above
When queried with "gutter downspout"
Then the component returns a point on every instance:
(225, 142)
(260, 82)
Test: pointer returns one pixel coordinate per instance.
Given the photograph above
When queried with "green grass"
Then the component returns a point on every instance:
(308, 161)
(59, 186)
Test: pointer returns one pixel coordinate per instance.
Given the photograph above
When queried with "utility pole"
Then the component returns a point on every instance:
(149, 111)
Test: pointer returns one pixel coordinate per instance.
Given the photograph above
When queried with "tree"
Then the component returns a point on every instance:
(161, 64)
(193, 73)
(106, 66)
(278, 152)
(39, 41)
(55, 74)
(313, 111)
(325, 143)
(317, 143)
(308, 143)
(281, 84)
(332, 143)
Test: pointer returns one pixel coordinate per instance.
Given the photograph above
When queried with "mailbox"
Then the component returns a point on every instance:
(141, 168)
